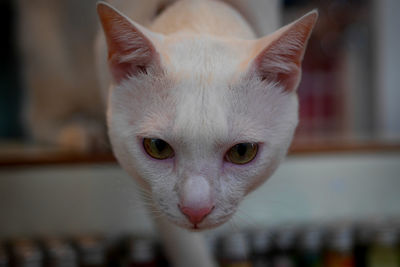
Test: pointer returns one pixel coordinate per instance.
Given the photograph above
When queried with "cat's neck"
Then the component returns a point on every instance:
(202, 17)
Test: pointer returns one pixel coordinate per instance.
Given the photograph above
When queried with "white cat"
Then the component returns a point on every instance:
(200, 112)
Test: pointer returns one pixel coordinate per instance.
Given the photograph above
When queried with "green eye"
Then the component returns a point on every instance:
(157, 148)
(242, 153)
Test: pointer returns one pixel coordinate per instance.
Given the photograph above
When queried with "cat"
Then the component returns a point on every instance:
(200, 112)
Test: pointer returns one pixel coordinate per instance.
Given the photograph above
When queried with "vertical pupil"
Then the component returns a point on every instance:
(160, 144)
(241, 149)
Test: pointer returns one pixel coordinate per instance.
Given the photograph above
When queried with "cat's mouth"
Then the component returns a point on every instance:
(195, 228)
(193, 218)
(207, 224)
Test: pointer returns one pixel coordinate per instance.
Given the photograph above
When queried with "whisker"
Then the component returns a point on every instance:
(248, 221)
(235, 227)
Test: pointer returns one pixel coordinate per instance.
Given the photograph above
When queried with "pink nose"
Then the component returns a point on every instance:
(196, 215)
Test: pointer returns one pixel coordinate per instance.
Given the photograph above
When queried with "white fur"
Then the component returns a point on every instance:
(196, 192)
(203, 93)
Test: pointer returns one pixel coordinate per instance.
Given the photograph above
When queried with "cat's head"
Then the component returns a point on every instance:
(201, 121)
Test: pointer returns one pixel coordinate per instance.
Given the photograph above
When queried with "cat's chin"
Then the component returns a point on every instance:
(203, 226)
(199, 228)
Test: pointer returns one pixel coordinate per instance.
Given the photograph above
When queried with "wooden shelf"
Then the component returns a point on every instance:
(329, 147)
(18, 154)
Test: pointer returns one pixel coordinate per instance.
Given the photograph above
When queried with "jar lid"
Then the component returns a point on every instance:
(235, 246)
(142, 250)
(286, 237)
(261, 241)
(387, 236)
(342, 239)
(311, 239)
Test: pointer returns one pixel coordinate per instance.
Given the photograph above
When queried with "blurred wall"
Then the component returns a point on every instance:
(387, 57)
(93, 198)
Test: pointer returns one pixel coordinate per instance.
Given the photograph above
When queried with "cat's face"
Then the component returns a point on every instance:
(200, 122)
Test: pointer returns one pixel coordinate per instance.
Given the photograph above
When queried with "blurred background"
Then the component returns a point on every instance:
(336, 199)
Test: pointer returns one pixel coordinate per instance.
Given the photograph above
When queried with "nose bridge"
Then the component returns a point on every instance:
(196, 192)
(200, 162)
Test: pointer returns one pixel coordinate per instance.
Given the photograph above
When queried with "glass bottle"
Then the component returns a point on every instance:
(311, 248)
(142, 253)
(27, 253)
(363, 240)
(384, 251)
(285, 252)
(261, 242)
(340, 251)
(59, 253)
(91, 251)
(235, 251)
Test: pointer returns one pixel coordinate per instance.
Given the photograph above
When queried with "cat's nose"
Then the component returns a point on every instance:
(196, 200)
(196, 215)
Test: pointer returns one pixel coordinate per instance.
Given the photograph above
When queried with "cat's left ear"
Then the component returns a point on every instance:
(282, 52)
(131, 48)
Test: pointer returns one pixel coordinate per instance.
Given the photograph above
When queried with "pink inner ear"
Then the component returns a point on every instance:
(121, 71)
(289, 81)
(129, 50)
(281, 60)
(276, 64)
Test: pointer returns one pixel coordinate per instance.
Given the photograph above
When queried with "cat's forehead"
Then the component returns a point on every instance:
(201, 112)
(202, 70)
(204, 56)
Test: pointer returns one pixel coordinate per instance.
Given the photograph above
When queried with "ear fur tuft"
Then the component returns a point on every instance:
(130, 49)
(280, 61)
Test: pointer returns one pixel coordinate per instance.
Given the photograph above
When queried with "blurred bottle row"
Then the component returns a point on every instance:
(341, 245)
(333, 245)
(82, 251)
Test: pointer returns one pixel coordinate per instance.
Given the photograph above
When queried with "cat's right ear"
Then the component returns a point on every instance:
(282, 52)
(130, 46)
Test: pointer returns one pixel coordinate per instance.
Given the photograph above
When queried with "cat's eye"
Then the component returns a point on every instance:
(242, 153)
(157, 148)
